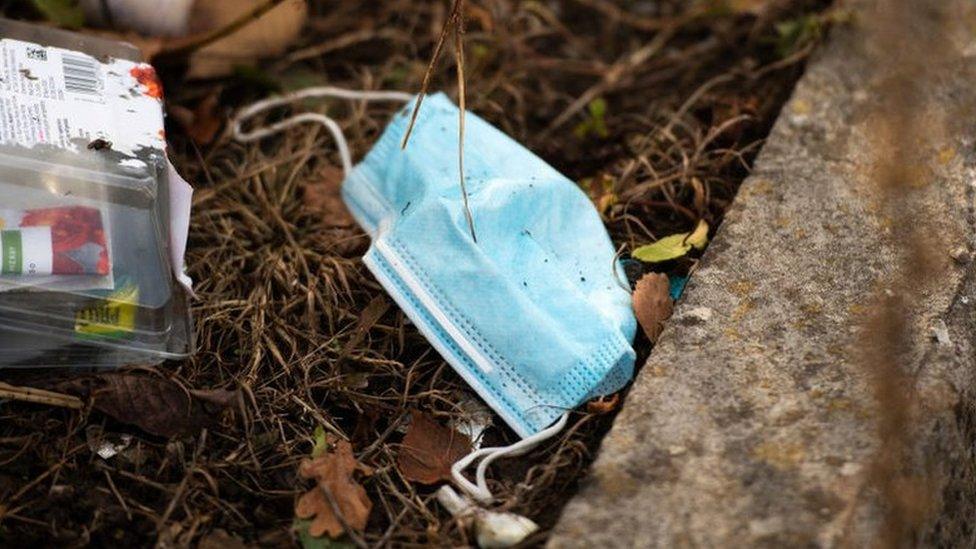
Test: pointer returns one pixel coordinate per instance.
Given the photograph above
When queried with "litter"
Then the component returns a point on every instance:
(94, 219)
(677, 285)
(104, 444)
(475, 418)
(530, 315)
(492, 529)
(53, 241)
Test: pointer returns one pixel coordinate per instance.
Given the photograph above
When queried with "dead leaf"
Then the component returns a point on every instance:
(603, 405)
(652, 303)
(364, 431)
(220, 539)
(430, 449)
(324, 196)
(482, 16)
(267, 36)
(334, 472)
(748, 7)
(601, 191)
(204, 121)
(155, 404)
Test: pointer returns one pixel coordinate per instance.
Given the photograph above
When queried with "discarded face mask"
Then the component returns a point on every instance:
(531, 313)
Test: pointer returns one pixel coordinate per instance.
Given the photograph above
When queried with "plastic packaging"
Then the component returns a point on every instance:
(86, 268)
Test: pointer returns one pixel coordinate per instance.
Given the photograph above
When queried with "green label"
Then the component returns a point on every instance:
(11, 252)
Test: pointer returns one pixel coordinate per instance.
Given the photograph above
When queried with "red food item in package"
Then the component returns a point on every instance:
(59, 241)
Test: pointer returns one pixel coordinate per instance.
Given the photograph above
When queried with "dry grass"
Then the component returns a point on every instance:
(288, 314)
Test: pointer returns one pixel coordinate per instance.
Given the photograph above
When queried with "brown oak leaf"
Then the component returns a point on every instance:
(652, 303)
(429, 449)
(334, 472)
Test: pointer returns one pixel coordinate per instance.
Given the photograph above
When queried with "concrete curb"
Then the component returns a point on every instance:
(754, 421)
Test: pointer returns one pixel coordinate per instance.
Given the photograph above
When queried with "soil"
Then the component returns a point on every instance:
(288, 315)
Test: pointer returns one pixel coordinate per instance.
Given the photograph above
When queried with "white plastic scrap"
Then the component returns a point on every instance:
(492, 529)
(180, 202)
(106, 445)
(475, 418)
(500, 530)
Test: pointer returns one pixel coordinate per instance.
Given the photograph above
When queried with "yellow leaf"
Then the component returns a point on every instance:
(674, 246)
(669, 247)
(606, 202)
(699, 238)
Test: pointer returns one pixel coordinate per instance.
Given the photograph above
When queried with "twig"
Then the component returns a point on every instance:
(118, 496)
(623, 66)
(341, 42)
(649, 24)
(181, 488)
(793, 59)
(459, 54)
(425, 84)
(457, 19)
(693, 98)
(39, 396)
(337, 512)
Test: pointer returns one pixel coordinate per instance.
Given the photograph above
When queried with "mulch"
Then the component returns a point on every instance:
(677, 99)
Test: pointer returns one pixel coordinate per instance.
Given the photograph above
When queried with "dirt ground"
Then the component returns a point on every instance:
(677, 97)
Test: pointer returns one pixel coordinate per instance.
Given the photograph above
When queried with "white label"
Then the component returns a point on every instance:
(69, 99)
(38, 250)
(27, 251)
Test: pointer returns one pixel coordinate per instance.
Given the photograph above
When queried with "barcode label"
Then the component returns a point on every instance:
(81, 74)
(70, 99)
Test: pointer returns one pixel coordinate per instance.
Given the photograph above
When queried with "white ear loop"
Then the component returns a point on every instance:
(330, 124)
(479, 491)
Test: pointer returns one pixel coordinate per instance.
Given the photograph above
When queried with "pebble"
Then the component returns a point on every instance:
(940, 332)
(961, 255)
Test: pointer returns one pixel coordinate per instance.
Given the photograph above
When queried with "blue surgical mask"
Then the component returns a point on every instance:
(531, 315)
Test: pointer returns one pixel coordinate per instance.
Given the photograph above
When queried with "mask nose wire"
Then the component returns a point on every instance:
(479, 490)
(330, 124)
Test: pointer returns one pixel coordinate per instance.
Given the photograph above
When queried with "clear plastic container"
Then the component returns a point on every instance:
(86, 275)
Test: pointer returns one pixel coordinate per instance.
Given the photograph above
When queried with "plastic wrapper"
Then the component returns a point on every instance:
(88, 245)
